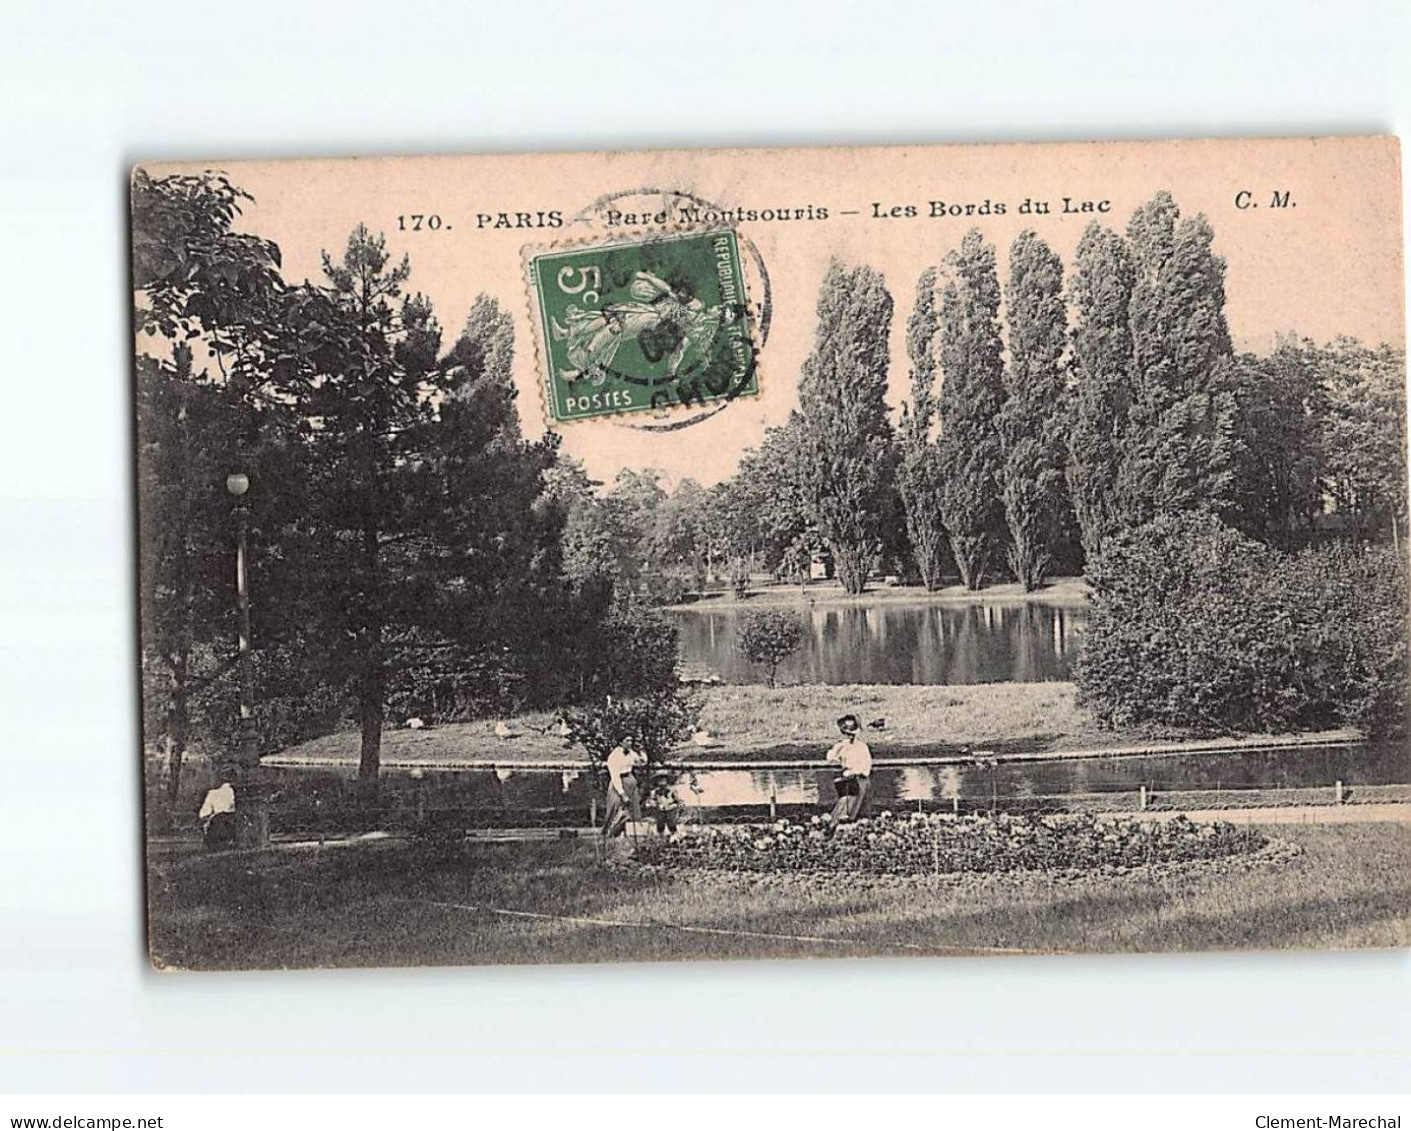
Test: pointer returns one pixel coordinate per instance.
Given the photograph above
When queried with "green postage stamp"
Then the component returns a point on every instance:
(641, 325)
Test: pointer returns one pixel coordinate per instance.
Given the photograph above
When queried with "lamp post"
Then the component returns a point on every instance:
(255, 825)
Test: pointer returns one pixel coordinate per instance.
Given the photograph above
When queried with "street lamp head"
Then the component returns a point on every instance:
(237, 484)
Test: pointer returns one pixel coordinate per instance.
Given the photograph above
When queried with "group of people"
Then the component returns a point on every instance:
(850, 754)
(624, 799)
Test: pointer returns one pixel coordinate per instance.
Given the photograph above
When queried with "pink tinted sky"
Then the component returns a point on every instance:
(1328, 264)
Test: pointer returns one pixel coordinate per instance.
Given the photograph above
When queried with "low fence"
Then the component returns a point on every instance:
(448, 800)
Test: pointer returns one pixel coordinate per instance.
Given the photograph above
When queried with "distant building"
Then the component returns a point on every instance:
(820, 566)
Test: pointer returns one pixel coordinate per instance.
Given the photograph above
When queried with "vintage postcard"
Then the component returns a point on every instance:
(773, 553)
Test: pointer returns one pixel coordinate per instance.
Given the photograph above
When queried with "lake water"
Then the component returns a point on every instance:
(900, 642)
(488, 798)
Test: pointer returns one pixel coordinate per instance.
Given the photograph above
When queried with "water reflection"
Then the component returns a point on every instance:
(554, 796)
(901, 643)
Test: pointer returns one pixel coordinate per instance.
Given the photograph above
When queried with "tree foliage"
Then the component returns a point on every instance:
(1179, 446)
(846, 448)
(1197, 627)
(1364, 433)
(1100, 291)
(1031, 421)
(918, 467)
(1281, 471)
(765, 507)
(404, 550)
(972, 395)
(208, 347)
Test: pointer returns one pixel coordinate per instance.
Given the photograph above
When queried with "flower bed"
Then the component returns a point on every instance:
(926, 844)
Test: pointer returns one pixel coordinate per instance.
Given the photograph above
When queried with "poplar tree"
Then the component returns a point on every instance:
(1031, 421)
(918, 470)
(1100, 292)
(846, 445)
(971, 397)
(1180, 450)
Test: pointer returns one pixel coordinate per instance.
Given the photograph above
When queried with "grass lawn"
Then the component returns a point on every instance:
(753, 721)
(392, 905)
(1032, 715)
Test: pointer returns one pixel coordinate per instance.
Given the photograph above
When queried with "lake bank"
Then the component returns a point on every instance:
(1069, 592)
(755, 723)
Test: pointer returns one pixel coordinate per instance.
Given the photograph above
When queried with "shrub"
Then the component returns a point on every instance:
(663, 589)
(636, 653)
(1353, 637)
(659, 722)
(1196, 627)
(769, 637)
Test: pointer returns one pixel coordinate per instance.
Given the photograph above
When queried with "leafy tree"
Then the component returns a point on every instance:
(1364, 433)
(769, 637)
(479, 560)
(846, 436)
(1101, 294)
(1032, 420)
(204, 294)
(918, 468)
(972, 395)
(1279, 480)
(1180, 447)
(486, 346)
(181, 547)
(680, 539)
(196, 276)
(633, 651)
(591, 543)
(632, 504)
(764, 508)
(796, 562)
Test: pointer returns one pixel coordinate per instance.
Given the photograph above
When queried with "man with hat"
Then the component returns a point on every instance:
(854, 759)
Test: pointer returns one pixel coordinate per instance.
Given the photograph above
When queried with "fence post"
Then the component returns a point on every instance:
(955, 804)
(1337, 792)
(1141, 797)
(593, 812)
(773, 804)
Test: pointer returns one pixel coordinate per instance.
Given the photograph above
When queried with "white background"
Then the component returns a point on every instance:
(86, 89)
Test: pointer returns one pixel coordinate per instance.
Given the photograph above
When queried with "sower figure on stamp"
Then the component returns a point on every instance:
(663, 321)
(623, 798)
(854, 759)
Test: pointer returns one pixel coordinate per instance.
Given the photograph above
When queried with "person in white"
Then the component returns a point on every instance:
(217, 815)
(623, 799)
(854, 759)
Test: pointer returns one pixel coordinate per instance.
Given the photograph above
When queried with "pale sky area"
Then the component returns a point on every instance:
(1327, 264)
